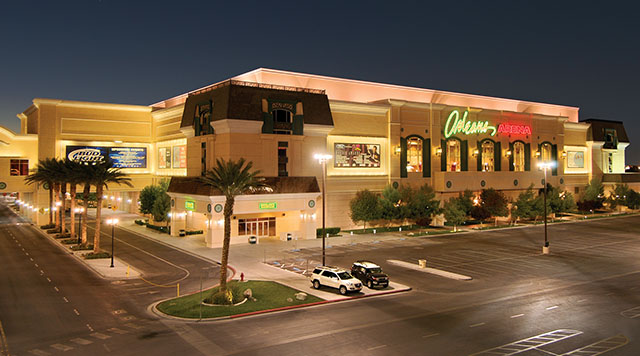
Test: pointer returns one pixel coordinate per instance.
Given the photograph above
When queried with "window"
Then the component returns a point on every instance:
(202, 119)
(282, 122)
(282, 159)
(610, 138)
(545, 152)
(257, 226)
(414, 154)
(203, 159)
(453, 156)
(609, 162)
(488, 156)
(329, 274)
(19, 167)
(518, 156)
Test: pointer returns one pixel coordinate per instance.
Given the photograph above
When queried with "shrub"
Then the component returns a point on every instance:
(53, 231)
(164, 229)
(332, 231)
(423, 221)
(139, 222)
(81, 247)
(234, 295)
(589, 205)
(69, 241)
(194, 232)
(93, 256)
(62, 236)
(48, 226)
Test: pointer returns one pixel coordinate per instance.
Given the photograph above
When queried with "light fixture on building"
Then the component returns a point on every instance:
(117, 141)
(397, 150)
(564, 154)
(507, 153)
(475, 152)
(538, 153)
(438, 151)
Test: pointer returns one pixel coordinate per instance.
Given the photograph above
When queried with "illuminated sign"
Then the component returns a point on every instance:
(164, 157)
(509, 129)
(269, 205)
(356, 155)
(122, 157)
(457, 125)
(575, 159)
(190, 205)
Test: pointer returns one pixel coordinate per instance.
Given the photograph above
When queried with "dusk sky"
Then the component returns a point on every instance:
(138, 52)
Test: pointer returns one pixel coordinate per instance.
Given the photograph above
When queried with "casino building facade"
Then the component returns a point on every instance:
(377, 134)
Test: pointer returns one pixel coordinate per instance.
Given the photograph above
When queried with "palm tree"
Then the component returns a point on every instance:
(60, 183)
(103, 174)
(44, 174)
(232, 179)
(74, 171)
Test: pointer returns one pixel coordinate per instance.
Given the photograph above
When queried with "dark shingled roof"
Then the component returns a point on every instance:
(278, 185)
(596, 131)
(239, 100)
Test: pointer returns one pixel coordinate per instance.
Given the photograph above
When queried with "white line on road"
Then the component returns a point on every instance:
(475, 325)
(100, 336)
(62, 347)
(41, 272)
(35, 264)
(56, 288)
(31, 259)
(81, 341)
(516, 316)
(90, 328)
(65, 299)
(553, 307)
(39, 352)
(49, 279)
(76, 311)
(376, 347)
(430, 335)
(582, 300)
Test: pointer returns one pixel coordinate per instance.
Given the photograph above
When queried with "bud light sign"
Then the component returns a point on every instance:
(122, 157)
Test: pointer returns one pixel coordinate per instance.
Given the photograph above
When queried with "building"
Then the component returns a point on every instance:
(378, 134)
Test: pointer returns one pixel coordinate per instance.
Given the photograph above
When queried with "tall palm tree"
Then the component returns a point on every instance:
(232, 178)
(105, 173)
(85, 175)
(44, 174)
(74, 171)
(60, 183)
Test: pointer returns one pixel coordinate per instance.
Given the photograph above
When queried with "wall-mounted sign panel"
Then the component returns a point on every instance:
(122, 157)
(509, 129)
(356, 155)
(190, 205)
(457, 125)
(180, 157)
(575, 159)
(164, 157)
(268, 205)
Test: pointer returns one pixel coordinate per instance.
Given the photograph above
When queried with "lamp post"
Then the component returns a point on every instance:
(113, 223)
(79, 212)
(545, 166)
(322, 159)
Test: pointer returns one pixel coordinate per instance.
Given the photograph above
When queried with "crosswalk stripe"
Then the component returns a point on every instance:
(61, 347)
(118, 331)
(100, 336)
(39, 352)
(81, 341)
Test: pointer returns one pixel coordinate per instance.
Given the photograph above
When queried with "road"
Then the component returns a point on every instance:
(587, 292)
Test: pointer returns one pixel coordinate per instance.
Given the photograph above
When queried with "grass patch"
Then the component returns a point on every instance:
(492, 227)
(82, 247)
(94, 256)
(69, 241)
(432, 232)
(268, 295)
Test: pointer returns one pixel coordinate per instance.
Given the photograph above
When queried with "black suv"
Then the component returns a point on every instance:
(370, 274)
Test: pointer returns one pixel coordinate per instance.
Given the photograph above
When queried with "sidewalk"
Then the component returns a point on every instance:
(248, 259)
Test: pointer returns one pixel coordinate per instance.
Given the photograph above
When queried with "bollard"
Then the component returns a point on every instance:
(177, 289)
(128, 270)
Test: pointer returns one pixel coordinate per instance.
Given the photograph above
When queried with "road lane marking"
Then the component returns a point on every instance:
(600, 347)
(553, 307)
(631, 313)
(76, 311)
(118, 331)
(61, 347)
(65, 299)
(31, 259)
(41, 272)
(39, 352)
(476, 325)
(582, 300)
(90, 328)
(376, 347)
(530, 343)
(516, 316)
(133, 326)
(81, 341)
(100, 336)
(430, 335)
(56, 288)
(35, 264)
(49, 279)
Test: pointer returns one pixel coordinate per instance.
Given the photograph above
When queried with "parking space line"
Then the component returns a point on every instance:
(376, 347)
(530, 343)
(476, 325)
(431, 335)
(61, 347)
(551, 308)
(516, 316)
(600, 347)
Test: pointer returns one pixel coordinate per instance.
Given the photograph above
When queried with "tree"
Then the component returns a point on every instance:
(559, 201)
(454, 213)
(148, 197)
(43, 174)
(495, 202)
(593, 195)
(465, 201)
(74, 173)
(524, 206)
(479, 212)
(633, 199)
(161, 207)
(104, 173)
(232, 178)
(365, 207)
(618, 196)
(420, 204)
(390, 203)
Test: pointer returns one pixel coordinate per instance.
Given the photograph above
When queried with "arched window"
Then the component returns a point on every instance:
(488, 156)
(453, 156)
(282, 122)
(414, 154)
(545, 152)
(518, 156)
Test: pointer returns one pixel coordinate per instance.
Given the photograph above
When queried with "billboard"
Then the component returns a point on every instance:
(356, 155)
(164, 157)
(180, 157)
(122, 157)
(575, 159)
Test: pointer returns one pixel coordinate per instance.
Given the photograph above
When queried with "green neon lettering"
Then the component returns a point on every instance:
(455, 125)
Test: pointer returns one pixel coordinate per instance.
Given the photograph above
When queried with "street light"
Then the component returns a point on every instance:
(113, 223)
(79, 212)
(322, 159)
(545, 166)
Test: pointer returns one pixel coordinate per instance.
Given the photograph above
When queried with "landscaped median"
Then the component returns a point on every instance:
(265, 296)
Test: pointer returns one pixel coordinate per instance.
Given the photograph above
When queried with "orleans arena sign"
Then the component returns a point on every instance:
(461, 125)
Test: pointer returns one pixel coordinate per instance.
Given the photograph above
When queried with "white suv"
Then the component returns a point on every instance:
(336, 278)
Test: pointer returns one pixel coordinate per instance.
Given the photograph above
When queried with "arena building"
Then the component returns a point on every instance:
(377, 134)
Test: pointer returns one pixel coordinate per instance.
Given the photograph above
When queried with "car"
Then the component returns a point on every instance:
(335, 277)
(370, 274)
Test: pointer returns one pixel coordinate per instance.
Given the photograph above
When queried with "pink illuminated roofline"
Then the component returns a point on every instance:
(365, 92)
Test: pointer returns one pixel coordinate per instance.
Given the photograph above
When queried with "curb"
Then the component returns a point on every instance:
(153, 307)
